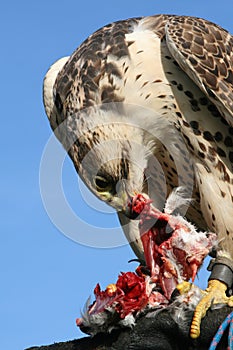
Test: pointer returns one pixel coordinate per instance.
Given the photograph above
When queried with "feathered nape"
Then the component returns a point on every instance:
(174, 251)
(48, 86)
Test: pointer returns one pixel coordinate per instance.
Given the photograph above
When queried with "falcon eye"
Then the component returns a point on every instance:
(102, 184)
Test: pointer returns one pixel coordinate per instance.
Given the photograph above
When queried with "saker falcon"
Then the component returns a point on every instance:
(145, 105)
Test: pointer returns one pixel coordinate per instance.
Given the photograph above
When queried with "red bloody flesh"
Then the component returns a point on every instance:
(168, 262)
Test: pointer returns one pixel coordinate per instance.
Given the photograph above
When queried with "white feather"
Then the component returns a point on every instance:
(176, 200)
(49, 82)
(128, 321)
(184, 303)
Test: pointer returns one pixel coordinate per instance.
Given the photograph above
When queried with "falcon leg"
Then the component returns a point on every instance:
(220, 280)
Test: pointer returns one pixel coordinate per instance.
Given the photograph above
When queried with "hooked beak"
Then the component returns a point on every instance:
(128, 209)
(127, 201)
(135, 204)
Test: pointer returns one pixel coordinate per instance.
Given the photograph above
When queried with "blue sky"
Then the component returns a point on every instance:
(45, 276)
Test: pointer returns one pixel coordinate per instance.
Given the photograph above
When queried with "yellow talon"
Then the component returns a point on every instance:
(215, 294)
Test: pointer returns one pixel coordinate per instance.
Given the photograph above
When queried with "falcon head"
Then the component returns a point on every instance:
(113, 163)
(109, 152)
(113, 153)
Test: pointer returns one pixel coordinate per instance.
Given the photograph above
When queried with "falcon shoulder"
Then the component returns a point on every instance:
(204, 51)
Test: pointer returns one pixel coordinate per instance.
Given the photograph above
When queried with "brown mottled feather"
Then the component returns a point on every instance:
(204, 52)
(202, 49)
(88, 64)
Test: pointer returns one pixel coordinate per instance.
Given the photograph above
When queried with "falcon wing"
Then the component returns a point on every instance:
(204, 51)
